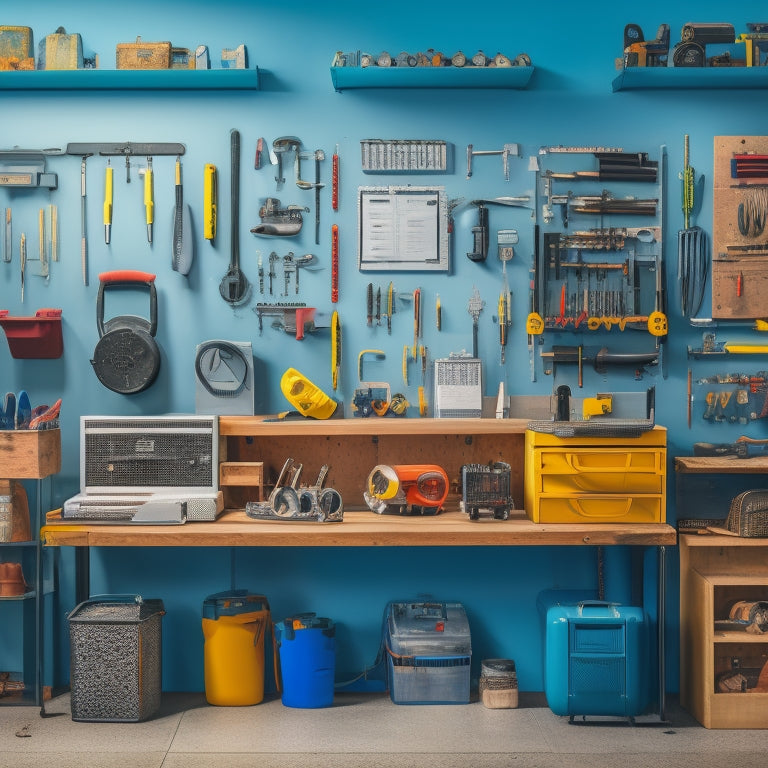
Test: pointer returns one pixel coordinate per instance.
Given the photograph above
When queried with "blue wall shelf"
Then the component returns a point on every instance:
(687, 78)
(431, 77)
(131, 79)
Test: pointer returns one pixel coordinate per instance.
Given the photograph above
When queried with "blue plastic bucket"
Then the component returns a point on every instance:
(306, 646)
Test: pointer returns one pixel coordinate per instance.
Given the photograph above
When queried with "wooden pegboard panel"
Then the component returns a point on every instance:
(739, 259)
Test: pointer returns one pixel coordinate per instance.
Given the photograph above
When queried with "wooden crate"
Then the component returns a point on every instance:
(29, 453)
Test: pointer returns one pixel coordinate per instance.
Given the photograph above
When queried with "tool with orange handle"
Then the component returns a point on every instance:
(335, 179)
(335, 263)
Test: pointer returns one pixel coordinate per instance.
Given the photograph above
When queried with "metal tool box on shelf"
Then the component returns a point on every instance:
(116, 658)
(596, 659)
(429, 650)
(596, 479)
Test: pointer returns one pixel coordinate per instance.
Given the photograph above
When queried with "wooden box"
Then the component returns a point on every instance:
(29, 453)
(140, 55)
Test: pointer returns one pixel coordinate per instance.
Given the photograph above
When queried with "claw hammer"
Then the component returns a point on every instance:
(509, 149)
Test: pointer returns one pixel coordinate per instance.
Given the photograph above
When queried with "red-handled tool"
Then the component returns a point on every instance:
(335, 179)
(335, 263)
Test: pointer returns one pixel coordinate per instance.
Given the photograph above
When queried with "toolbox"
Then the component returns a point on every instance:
(60, 51)
(596, 659)
(596, 479)
(16, 48)
(141, 55)
(429, 650)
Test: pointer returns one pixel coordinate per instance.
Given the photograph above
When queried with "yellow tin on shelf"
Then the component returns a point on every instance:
(596, 479)
(234, 625)
(141, 55)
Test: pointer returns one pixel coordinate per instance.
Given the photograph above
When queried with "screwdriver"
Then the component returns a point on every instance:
(108, 203)
(149, 203)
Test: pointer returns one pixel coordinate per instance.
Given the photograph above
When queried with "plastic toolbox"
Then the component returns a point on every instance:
(429, 650)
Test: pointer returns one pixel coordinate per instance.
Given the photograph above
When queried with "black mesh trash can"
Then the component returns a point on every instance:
(115, 658)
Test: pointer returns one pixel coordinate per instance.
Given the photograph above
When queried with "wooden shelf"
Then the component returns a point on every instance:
(431, 77)
(131, 79)
(235, 529)
(688, 78)
(245, 426)
(725, 465)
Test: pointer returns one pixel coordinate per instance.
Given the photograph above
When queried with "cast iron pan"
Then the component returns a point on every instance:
(126, 359)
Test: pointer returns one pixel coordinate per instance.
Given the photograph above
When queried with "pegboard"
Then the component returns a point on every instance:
(740, 229)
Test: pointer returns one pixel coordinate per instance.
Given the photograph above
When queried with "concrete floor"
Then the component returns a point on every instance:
(366, 731)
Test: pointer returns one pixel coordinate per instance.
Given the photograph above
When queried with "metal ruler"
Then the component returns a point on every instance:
(406, 156)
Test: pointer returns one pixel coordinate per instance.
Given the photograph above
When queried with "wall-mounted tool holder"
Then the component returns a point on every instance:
(739, 234)
(35, 337)
(600, 264)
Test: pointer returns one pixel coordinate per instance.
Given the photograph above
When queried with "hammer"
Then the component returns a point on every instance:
(509, 149)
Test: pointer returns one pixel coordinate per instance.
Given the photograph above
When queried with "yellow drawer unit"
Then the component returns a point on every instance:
(596, 479)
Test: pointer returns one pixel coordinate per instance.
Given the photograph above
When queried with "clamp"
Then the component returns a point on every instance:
(506, 152)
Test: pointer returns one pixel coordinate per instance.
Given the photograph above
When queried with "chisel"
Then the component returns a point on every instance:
(108, 203)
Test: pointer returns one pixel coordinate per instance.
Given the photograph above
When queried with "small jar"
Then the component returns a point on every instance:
(498, 684)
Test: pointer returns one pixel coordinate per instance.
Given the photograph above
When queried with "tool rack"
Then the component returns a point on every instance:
(601, 244)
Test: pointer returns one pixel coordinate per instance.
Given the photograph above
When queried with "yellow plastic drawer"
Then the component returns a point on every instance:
(600, 508)
(585, 470)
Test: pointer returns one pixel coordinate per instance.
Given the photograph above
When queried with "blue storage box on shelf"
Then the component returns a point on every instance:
(596, 659)
(429, 651)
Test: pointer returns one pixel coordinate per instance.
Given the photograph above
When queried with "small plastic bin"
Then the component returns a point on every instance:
(306, 645)
(116, 658)
(429, 651)
(234, 626)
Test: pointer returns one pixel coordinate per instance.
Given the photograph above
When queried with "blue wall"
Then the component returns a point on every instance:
(568, 102)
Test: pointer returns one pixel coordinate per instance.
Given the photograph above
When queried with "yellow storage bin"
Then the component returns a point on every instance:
(234, 625)
(603, 508)
(610, 470)
(596, 479)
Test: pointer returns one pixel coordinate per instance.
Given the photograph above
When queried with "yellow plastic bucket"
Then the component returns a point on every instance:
(234, 625)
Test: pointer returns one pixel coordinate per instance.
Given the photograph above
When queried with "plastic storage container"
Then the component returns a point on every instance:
(306, 645)
(429, 650)
(116, 658)
(234, 626)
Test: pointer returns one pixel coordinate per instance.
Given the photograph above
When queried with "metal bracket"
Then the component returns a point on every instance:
(506, 152)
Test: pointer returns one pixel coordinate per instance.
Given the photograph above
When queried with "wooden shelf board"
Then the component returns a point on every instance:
(726, 465)
(244, 426)
(359, 528)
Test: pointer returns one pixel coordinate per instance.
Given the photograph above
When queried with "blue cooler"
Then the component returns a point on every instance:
(596, 659)
(306, 645)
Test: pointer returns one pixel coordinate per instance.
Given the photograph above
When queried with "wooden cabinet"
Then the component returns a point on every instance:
(715, 572)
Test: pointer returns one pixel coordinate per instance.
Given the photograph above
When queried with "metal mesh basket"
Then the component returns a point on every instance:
(748, 514)
(115, 659)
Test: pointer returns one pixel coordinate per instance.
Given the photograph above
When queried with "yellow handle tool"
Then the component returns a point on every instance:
(209, 202)
(335, 349)
(149, 203)
(108, 203)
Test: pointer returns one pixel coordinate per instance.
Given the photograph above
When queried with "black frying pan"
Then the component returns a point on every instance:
(126, 359)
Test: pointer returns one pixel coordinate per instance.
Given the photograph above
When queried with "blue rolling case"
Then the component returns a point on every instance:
(596, 659)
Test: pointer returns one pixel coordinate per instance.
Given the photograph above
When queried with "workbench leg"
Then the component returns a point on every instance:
(82, 574)
(661, 607)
